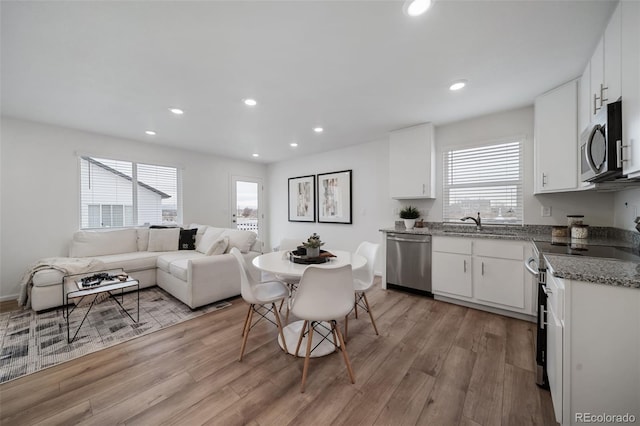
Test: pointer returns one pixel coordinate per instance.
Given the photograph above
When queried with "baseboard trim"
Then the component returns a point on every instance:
(491, 309)
(7, 298)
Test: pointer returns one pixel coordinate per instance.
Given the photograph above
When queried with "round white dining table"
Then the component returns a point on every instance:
(278, 263)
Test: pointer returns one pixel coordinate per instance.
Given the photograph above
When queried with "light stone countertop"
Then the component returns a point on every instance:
(580, 268)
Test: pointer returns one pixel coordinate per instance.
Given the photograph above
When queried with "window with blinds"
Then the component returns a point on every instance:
(108, 198)
(485, 179)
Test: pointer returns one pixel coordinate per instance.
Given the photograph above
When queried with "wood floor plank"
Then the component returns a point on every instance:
(521, 404)
(433, 363)
(408, 400)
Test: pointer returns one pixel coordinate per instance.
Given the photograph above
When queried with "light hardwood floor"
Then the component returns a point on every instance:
(434, 363)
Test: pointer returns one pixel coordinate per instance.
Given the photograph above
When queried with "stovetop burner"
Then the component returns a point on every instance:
(581, 249)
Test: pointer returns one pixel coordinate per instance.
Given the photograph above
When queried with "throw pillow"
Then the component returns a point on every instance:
(187, 239)
(242, 240)
(219, 246)
(208, 238)
(163, 239)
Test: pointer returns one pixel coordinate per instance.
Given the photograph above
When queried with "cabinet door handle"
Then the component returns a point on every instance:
(595, 103)
(464, 265)
(602, 98)
(424, 188)
(542, 317)
(544, 179)
(482, 268)
(620, 149)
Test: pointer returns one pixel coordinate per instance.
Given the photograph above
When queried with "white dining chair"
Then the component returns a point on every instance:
(363, 279)
(288, 244)
(261, 297)
(323, 295)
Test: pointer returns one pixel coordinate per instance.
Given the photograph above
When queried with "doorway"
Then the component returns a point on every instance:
(246, 204)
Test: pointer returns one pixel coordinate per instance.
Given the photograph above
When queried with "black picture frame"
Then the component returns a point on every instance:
(335, 197)
(302, 199)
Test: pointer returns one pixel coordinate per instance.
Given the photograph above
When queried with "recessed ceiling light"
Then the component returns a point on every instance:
(176, 111)
(457, 85)
(416, 7)
(256, 155)
(318, 129)
(150, 132)
(250, 102)
(293, 144)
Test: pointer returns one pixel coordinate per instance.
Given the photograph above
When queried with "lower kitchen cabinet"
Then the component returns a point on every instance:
(451, 274)
(593, 352)
(483, 272)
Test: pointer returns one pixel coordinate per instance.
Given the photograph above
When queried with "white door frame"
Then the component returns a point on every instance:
(233, 202)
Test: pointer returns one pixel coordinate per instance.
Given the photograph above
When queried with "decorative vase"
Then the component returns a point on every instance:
(313, 251)
(409, 223)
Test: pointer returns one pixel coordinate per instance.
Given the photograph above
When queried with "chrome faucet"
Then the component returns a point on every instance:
(478, 221)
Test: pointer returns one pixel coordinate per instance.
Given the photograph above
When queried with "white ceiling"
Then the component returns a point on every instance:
(357, 68)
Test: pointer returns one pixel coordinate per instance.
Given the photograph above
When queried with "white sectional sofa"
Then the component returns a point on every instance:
(196, 277)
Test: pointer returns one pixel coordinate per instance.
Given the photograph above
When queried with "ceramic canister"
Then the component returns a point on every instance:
(580, 231)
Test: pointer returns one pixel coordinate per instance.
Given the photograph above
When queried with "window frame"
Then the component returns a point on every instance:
(520, 183)
(134, 186)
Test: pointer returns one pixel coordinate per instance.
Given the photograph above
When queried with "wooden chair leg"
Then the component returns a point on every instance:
(366, 302)
(246, 333)
(344, 353)
(280, 331)
(304, 327)
(306, 358)
(244, 326)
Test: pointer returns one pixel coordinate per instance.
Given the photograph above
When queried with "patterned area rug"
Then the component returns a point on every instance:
(32, 341)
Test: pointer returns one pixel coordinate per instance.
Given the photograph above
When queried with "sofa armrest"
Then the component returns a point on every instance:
(213, 278)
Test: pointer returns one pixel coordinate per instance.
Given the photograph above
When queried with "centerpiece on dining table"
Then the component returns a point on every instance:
(309, 252)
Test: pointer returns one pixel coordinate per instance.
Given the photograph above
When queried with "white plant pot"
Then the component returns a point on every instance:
(409, 223)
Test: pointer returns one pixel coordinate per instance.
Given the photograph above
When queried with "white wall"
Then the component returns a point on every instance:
(40, 183)
(371, 207)
(626, 207)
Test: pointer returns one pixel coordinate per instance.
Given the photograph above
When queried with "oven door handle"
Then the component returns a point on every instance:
(527, 264)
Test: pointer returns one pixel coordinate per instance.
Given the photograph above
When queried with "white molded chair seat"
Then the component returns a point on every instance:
(258, 295)
(363, 279)
(323, 295)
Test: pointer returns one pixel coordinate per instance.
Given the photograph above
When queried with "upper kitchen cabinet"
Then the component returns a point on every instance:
(631, 88)
(605, 65)
(584, 98)
(556, 139)
(412, 162)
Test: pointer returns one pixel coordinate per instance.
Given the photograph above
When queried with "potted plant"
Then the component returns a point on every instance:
(409, 214)
(313, 245)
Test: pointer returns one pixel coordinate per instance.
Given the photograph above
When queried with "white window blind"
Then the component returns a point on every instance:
(107, 197)
(485, 179)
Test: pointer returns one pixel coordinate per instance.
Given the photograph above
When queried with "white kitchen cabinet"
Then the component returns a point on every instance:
(451, 274)
(612, 57)
(599, 368)
(584, 93)
(483, 272)
(556, 139)
(412, 162)
(605, 65)
(630, 75)
(499, 281)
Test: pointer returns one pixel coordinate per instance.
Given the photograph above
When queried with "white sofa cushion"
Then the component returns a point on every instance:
(143, 238)
(201, 230)
(47, 277)
(207, 240)
(242, 240)
(164, 261)
(180, 268)
(131, 261)
(164, 239)
(219, 246)
(98, 243)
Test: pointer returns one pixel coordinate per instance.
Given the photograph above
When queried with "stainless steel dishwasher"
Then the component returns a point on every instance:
(409, 262)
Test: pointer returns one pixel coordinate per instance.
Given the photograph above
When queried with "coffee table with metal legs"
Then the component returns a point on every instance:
(73, 291)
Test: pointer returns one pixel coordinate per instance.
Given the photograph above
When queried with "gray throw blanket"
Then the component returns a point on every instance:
(66, 265)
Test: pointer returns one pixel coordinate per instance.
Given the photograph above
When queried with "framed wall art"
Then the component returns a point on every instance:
(334, 197)
(302, 199)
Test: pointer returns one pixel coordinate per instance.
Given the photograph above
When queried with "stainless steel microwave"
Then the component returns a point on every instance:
(600, 146)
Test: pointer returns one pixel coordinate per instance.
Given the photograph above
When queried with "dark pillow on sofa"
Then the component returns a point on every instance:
(187, 239)
(162, 226)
